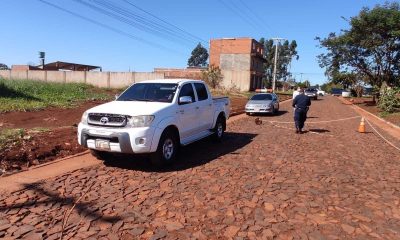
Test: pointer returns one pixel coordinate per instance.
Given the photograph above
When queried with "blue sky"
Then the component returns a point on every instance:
(30, 26)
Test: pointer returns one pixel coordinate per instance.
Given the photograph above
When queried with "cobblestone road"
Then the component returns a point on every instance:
(262, 182)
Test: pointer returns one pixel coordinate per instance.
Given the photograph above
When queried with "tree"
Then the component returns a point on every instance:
(212, 76)
(369, 50)
(3, 67)
(286, 52)
(199, 57)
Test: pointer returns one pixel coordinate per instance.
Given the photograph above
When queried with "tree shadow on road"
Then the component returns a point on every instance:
(193, 155)
(50, 198)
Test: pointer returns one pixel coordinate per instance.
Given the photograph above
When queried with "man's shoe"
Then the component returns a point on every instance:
(297, 131)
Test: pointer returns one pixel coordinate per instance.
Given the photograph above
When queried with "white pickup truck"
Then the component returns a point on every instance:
(156, 117)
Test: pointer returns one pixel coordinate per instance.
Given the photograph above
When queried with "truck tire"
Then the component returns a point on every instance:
(219, 129)
(101, 155)
(167, 150)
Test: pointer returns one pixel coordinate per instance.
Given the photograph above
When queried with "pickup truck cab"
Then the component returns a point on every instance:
(155, 117)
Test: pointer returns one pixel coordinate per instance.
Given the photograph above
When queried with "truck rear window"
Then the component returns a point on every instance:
(201, 91)
(150, 92)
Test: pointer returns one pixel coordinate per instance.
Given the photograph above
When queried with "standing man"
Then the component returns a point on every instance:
(300, 104)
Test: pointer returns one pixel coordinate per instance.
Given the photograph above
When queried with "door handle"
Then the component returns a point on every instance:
(182, 111)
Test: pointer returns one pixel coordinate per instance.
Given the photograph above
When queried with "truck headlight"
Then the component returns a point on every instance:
(84, 117)
(140, 121)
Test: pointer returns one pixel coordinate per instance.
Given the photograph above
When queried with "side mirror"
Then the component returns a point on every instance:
(185, 100)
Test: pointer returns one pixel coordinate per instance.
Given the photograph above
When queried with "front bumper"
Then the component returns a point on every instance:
(122, 140)
(258, 110)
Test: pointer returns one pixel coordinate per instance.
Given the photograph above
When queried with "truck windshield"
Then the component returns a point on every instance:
(150, 92)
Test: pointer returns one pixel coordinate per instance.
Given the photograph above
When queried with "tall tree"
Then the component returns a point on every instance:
(369, 50)
(286, 53)
(3, 66)
(199, 57)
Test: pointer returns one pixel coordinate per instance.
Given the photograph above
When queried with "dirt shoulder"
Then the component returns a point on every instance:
(368, 105)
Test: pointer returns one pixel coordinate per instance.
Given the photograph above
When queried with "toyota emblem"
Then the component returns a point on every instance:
(104, 120)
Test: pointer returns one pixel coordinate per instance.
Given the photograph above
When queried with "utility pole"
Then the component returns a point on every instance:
(278, 40)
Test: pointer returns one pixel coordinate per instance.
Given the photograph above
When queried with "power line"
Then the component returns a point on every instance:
(111, 28)
(143, 27)
(170, 24)
(256, 16)
(239, 13)
(145, 22)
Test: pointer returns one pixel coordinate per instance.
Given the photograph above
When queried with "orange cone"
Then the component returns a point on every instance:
(361, 128)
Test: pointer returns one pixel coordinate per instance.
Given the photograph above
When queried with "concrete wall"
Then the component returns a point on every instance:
(98, 79)
(238, 62)
(236, 79)
(75, 77)
(37, 75)
(140, 76)
(6, 74)
(188, 73)
(56, 76)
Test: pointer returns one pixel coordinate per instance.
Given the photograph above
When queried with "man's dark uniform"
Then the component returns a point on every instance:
(301, 103)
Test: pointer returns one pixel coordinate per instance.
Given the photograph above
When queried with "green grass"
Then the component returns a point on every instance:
(10, 136)
(24, 95)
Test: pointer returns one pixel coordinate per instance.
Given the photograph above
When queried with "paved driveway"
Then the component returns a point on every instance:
(262, 182)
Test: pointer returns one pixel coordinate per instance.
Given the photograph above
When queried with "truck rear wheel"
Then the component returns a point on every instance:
(219, 129)
(167, 150)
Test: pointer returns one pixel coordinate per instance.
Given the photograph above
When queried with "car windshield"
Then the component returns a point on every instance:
(311, 90)
(259, 97)
(150, 92)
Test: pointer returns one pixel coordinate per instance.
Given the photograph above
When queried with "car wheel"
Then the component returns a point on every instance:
(167, 150)
(101, 155)
(219, 129)
(273, 110)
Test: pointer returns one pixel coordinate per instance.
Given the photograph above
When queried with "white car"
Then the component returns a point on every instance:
(156, 117)
(320, 92)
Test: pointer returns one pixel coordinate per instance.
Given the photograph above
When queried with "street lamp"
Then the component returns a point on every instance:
(278, 40)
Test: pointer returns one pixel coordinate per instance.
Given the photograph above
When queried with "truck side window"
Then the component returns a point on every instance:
(187, 90)
(201, 91)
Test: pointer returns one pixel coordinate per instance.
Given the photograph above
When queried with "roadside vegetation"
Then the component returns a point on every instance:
(25, 95)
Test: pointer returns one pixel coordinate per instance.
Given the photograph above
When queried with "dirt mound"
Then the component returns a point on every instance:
(35, 148)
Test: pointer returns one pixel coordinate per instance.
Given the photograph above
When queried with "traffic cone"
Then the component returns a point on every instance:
(361, 128)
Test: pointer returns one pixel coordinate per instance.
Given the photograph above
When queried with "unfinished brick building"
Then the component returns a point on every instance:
(240, 60)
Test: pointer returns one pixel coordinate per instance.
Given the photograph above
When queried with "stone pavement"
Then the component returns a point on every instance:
(262, 182)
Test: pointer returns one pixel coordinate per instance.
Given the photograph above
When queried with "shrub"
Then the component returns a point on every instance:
(212, 76)
(389, 100)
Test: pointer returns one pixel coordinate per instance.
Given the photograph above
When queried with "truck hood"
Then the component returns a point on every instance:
(131, 108)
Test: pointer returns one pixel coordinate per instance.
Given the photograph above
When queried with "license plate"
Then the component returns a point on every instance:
(256, 109)
(102, 144)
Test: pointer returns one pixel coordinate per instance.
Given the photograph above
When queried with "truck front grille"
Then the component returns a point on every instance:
(107, 120)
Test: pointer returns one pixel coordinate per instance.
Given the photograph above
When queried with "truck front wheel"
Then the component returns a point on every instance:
(167, 150)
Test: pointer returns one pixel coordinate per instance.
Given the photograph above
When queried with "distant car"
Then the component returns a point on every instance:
(336, 91)
(263, 103)
(311, 93)
(320, 92)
